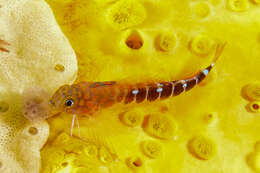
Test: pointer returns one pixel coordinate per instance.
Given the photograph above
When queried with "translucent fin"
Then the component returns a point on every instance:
(219, 49)
(77, 121)
(72, 124)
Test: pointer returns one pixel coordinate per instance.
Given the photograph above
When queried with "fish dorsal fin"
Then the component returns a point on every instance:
(101, 84)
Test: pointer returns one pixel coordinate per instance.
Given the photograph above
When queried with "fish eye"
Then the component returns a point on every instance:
(69, 102)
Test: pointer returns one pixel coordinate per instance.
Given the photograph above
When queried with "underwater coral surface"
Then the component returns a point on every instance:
(28, 56)
(212, 128)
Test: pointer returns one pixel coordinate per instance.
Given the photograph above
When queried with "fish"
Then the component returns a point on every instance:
(88, 97)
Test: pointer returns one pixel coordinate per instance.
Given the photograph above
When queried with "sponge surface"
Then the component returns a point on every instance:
(208, 129)
(31, 45)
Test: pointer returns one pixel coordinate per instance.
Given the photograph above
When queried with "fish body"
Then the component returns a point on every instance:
(88, 97)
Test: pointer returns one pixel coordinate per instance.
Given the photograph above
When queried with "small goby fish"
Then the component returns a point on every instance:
(88, 97)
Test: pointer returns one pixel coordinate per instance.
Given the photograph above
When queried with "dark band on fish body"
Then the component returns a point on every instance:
(200, 77)
(152, 93)
(130, 96)
(209, 68)
(167, 90)
(140, 97)
(190, 84)
(178, 89)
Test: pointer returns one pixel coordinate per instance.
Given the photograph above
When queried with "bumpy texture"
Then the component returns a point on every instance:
(132, 49)
(31, 44)
(212, 128)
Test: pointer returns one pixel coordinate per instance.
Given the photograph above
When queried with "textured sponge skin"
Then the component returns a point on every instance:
(165, 40)
(33, 45)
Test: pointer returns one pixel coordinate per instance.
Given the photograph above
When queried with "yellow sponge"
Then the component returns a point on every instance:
(202, 147)
(126, 13)
(211, 128)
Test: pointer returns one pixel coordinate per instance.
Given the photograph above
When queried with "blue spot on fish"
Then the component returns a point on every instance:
(206, 72)
(135, 92)
(159, 90)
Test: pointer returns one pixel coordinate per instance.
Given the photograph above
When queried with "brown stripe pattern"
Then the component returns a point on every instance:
(163, 90)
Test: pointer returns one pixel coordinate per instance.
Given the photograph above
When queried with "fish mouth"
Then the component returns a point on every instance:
(53, 109)
(53, 112)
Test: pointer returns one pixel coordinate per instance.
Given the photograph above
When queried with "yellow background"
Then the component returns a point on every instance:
(99, 43)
